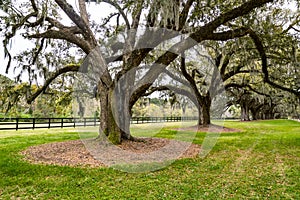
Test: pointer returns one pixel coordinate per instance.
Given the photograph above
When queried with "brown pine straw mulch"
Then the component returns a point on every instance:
(210, 128)
(92, 153)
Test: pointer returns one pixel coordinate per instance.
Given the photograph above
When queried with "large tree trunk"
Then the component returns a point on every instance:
(115, 109)
(199, 122)
(120, 101)
(206, 110)
(244, 112)
(254, 113)
(114, 117)
(108, 124)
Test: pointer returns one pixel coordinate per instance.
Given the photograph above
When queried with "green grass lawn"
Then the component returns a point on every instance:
(260, 162)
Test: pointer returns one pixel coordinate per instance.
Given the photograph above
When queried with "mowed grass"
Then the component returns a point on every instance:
(260, 162)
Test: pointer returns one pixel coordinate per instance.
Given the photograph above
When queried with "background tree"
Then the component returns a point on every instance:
(56, 102)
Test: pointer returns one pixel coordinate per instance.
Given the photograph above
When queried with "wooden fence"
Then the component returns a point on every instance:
(36, 123)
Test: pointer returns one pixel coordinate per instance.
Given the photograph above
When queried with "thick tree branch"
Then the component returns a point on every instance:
(187, 76)
(224, 64)
(57, 24)
(291, 26)
(175, 89)
(83, 12)
(137, 16)
(114, 58)
(226, 35)
(241, 86)
(34, 6)
(175, 77)
(70, 12)
(238, 11)
(233, 73)
(184, 13)
(155, 89)
(185, 44)
(226, 17)
(117, 6)
(78, 20)
(260, 48)
(68, 68)
(41, 46)
(64, 35)
(7, 54)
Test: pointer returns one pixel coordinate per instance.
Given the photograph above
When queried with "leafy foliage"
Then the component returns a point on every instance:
(54, 103)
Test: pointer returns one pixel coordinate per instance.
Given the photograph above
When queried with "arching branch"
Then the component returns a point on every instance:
(83, 12)
(175, 77)
(184, 13)
(119, 9)
(70, 12)
(34, 6)
(226, 35)
(260, 48)
(244, 9)
(53, 76)
(175, 89)
(57, 24)
(79, 21)
(64, 35)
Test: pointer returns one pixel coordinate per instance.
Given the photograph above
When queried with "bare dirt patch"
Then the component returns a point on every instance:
(75, 153)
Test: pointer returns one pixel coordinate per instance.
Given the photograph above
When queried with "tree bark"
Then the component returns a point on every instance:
(122, 93)
(256, 110)
(108, 124)
(206, 110)
(254, 114)
(245, 112)
(199, 122)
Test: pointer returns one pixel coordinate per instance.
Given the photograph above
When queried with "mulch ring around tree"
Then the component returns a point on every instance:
(76, 154)
(209, 128)
(90, 153)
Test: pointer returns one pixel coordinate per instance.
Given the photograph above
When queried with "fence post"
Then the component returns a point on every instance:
(74, 125)
(62, 123)
(17, 124)
(94, 121)
(33, 123)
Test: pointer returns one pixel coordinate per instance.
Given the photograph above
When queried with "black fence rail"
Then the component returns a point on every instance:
(36, 123)
(143, 120)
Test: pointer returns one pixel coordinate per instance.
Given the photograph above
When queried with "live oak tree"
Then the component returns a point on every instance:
(56, 102)
(255, 105)
(269, 57)
(41, 22)
(197, 79)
